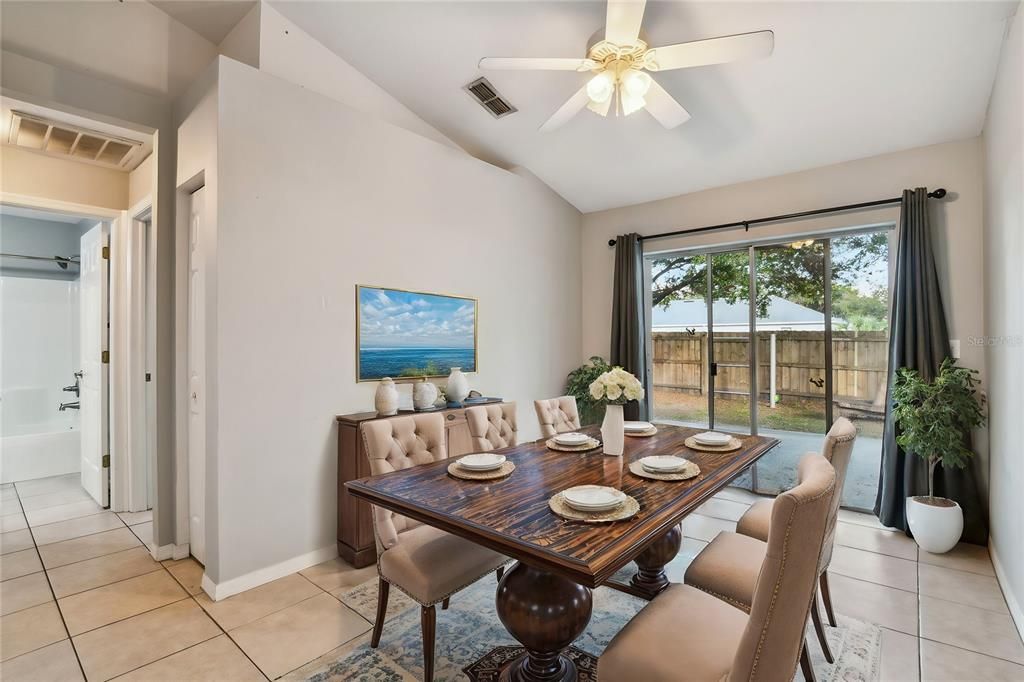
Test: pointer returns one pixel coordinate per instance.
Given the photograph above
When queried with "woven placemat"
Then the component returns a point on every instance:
(505, 469)
(593, 444)
(691, 470)
(626, 510)
(643, 434)
(734, 444)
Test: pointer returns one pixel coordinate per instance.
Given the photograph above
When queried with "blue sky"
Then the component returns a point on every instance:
(389, 319)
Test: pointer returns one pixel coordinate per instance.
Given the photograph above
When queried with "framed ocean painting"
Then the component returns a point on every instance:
(410, 334)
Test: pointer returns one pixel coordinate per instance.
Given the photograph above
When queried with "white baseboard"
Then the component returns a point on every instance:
(222, 590)
(165, 552)
(1011, 599)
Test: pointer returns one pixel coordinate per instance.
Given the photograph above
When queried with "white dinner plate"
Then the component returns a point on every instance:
(712, 438)
(572, 438)
(663, 464)
(593, 497)
(634, 427)
(484, 461)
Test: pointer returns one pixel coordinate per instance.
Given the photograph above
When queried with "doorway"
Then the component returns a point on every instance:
(779, 339)
(197, 378)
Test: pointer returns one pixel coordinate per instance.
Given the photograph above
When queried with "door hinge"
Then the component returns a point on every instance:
(149, 377)
(105, 357)
(106, 461)
(105, 253)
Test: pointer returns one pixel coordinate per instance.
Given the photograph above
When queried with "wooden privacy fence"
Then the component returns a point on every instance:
(859, 363)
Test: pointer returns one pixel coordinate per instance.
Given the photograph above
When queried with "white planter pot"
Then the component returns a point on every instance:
(458, 386)
(613, 431)
(936, 528)
(386, 399)
(424, 395)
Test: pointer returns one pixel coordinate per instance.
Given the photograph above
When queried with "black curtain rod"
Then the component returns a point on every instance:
(746, 224)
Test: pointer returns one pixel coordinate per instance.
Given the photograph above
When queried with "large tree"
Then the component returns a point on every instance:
(796, 274)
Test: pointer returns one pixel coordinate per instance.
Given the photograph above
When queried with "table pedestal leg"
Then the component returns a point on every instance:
(545, 613)
(650, 578)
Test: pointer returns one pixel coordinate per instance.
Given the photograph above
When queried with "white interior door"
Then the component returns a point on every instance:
(196, 382)
(93, 316)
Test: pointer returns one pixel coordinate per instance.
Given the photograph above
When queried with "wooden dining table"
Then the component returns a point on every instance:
(545, 600)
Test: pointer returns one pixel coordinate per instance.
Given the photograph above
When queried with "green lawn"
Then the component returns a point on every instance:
(791, 414)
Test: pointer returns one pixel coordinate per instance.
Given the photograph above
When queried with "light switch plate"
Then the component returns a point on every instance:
(954, 348)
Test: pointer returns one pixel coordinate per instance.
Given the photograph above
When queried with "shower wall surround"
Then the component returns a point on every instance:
(38, 357)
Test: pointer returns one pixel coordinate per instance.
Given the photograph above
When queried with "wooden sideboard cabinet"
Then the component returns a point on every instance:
(355, 528)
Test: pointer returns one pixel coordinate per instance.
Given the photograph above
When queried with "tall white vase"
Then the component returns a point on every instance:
(458, 386)
(613, 431)
(386, 399)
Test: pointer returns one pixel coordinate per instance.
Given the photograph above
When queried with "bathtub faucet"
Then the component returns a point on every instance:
(68, 406)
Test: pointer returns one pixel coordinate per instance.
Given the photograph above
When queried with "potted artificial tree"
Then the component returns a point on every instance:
(934, 419)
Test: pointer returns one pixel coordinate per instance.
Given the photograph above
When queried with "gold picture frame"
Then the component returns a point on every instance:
(429, 307)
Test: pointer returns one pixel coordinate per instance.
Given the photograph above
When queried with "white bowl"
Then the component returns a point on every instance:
(572, 438)
(712, 438)
(593, 497)
(484, 461)
(663, 464)
(634, 427)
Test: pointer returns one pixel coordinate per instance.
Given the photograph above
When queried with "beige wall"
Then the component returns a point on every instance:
(957, 224)
(142, 181)
(1004, 306)
(300, 221)
(38, 175)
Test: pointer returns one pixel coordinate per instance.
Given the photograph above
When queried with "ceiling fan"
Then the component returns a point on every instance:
(620, 60)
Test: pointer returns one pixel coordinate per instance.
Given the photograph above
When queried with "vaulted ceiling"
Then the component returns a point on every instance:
(846, 81)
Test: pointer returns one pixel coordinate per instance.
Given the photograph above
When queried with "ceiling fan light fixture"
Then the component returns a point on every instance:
(631, 102)
(636, 83)
(601, 87)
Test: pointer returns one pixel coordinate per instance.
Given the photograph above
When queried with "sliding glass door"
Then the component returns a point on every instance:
(776, 339)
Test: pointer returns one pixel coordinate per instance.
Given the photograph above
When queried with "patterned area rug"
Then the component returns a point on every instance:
(469, 631)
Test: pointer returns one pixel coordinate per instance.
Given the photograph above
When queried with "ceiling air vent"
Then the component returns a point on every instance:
(68, 141)
(483, 92)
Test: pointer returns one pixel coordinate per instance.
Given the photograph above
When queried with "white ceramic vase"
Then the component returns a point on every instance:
(386, 399)
(936, 528)
(613, 431)
(424, 395)
(458, 387)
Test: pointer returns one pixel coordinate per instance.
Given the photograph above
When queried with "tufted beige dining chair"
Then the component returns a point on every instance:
(557, 415)
(492, 426)
(686, 633)
(728, 566)
(427, 564)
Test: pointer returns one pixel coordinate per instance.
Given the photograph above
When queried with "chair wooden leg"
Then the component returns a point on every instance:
(826, 596)
(383, 587)
(428, 620)
(444, 604)
(820, 630)
(805, 664)
(500, 572)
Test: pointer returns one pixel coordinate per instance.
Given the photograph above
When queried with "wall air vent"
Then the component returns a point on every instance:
(70, 142)
(484, 93)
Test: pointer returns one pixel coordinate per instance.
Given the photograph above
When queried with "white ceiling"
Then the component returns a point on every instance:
(846, 81)
(212, 19)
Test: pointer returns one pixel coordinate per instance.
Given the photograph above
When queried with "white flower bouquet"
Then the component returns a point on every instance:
(616, 387)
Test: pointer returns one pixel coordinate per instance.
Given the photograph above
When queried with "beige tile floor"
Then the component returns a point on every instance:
(82, 599)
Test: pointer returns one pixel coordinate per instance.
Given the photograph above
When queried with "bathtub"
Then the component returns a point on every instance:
(42, 451)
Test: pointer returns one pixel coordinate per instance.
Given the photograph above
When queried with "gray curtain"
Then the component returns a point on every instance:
(919, 340)
(629, 318)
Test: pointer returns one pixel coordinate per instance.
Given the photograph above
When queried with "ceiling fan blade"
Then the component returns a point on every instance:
(537, 64)
(567, 110)
(622, 22)
(664, 108)
(711, 51)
